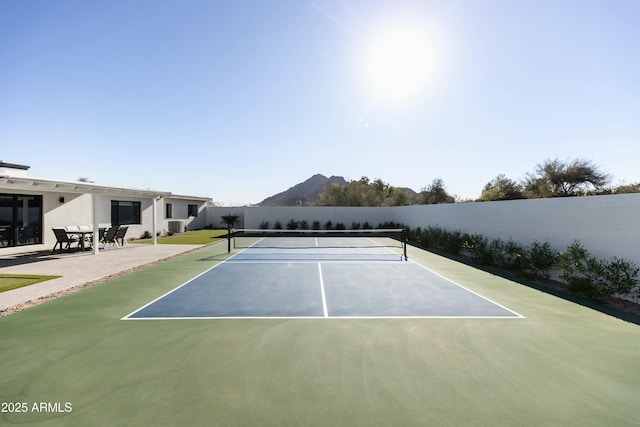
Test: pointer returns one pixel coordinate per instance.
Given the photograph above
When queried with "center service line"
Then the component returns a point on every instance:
(324, 298)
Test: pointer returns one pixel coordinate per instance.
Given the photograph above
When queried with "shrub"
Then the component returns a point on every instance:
(340, 226)
(264, 225)
(453, 241)
(328, 225)
(540, 258)
(478, 247)
(620, 277)
(277, 225)
(355, 225)
(304, 225)
(146, 235)
(293, 225)
(315, 225)
(576, 263)
(596, 278)
(508, 255)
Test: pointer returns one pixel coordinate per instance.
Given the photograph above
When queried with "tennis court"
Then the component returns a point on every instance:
(312, 275)
(378, 358)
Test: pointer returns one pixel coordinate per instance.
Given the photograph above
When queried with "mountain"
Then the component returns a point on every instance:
(305, 192)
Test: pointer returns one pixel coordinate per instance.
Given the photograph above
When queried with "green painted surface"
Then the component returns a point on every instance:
(562, 365)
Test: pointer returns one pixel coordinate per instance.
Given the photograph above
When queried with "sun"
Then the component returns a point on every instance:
(400, 62)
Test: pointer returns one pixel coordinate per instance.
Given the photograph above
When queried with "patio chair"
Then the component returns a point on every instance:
(99, 238)
(61, 238)
(4, 236)
(122, 231)
(110, 237)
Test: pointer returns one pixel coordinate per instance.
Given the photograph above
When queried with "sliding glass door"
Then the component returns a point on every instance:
(20, 219)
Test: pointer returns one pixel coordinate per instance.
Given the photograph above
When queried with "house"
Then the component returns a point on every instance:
(31, 207)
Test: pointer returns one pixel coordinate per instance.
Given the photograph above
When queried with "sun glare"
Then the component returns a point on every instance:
(400, 62)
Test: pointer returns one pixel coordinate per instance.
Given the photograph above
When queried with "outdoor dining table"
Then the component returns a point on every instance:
(82, 233)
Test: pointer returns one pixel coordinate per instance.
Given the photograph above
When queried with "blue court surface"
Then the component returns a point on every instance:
(324, 280)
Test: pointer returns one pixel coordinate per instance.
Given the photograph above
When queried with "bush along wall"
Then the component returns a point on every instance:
(581, 272)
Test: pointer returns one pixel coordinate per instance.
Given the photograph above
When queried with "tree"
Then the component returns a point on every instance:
(229, 220)
(332, 195)
(627, 188)
(501, 188)
(363, 192)
(554, 178)
(435, 193)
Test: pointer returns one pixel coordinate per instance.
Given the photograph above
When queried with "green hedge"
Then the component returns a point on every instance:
(593, 278)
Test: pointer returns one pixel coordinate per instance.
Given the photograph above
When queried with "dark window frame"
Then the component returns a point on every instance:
(120, 214)
(13, 232)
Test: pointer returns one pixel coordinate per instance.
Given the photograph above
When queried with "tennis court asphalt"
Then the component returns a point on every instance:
(76, 270)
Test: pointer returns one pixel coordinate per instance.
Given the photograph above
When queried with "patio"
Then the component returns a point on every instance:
(78, 270)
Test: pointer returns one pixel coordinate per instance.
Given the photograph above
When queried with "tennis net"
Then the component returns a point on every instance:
(327, 240)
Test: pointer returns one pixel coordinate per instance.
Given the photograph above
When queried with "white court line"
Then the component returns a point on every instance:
(467, 289)
(321, 317)
(175, 289)
(324, 302)
(325, 311)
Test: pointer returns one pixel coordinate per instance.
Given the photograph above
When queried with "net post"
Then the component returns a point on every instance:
(404, 244)
(228, 239)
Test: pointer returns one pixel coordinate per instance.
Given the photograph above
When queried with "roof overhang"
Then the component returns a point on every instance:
(193, 198)
(50, 186)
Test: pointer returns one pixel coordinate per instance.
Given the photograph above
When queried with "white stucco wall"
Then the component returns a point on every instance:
(607, 226)
(252, 217)
(180, 212)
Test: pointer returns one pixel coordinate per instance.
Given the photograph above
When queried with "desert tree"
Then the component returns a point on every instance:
(555, 178)
(435, 193)
(501, 188)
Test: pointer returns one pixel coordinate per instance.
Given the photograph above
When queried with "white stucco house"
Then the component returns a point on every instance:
(30, 207)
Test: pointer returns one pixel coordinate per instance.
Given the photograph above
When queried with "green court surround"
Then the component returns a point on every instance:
(561, 365)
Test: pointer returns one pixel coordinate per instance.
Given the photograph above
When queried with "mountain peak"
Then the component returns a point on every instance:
(306, 192)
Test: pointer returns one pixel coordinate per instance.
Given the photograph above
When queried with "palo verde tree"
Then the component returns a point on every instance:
(363, 192)
(501, 188)
(435, 193)
(555, 178)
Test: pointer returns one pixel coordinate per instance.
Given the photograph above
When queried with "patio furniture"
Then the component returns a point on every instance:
(84, 233)
(122, 231)
(4, 235)
(110, 237)
(61, 238)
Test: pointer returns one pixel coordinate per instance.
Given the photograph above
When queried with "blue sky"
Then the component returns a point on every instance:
(238, 100)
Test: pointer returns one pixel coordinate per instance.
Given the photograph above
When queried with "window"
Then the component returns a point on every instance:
(125, 212)
(168, 210)
(20, 219)
(192, 210)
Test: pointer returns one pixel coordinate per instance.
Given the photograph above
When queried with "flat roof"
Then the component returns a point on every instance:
(48, 185)
(4, 164)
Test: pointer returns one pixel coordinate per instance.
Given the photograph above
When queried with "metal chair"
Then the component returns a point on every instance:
(62, 237)
(110, 237)
(122, 231)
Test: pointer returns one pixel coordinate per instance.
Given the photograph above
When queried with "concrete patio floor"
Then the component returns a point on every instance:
(78, 270)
